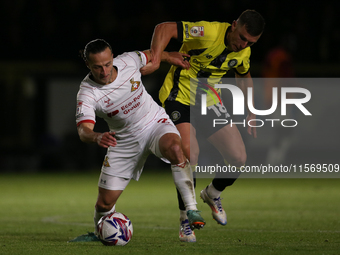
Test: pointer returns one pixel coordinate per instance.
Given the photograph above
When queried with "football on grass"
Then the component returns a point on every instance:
(115, 229)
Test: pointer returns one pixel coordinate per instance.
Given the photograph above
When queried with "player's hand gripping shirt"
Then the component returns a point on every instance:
(124, 104)
(210, 59)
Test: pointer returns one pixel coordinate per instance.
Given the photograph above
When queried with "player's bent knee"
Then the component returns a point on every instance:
(237, 160)
(107, 199)
(174, 153)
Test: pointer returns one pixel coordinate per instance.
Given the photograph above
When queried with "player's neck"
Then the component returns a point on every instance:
(114, 74)
(227, 33)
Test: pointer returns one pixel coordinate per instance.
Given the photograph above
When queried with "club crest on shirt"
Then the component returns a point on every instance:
(232, 63)
(135, 84)
(106, 162)
(197, 31)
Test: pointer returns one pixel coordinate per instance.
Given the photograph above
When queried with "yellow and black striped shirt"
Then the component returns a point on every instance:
(210, 60)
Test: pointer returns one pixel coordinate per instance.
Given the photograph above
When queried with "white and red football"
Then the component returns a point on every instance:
(115, 229)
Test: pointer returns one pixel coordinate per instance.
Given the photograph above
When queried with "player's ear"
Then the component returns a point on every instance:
(87, 64)
(233, 25)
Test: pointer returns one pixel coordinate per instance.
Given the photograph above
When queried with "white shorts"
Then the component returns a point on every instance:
(112, 182)
(127, 158)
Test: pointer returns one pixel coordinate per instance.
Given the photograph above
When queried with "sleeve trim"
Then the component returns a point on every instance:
(85, 121)
(241, 73)
(146, 57)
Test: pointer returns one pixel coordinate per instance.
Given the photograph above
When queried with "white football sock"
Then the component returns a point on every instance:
(183, 179)
(212, 192)
(98, 215)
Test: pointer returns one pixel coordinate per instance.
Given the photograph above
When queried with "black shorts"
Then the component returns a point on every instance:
(216, 118)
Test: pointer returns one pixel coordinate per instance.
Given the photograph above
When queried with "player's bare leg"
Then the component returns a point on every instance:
(228, 141)
(171, 148)
(106, 202)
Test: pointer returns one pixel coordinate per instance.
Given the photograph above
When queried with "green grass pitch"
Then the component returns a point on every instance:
(39, 213)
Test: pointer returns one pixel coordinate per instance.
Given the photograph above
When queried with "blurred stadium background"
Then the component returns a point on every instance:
(40, 68)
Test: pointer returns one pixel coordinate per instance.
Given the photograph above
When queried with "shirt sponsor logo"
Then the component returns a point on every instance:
(111, 114)
(197, 31)
(132, 104)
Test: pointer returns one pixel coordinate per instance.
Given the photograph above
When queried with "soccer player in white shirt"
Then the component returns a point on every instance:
(138, 126)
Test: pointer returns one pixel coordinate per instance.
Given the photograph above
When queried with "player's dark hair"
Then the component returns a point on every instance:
(253, 21)
(95, 46)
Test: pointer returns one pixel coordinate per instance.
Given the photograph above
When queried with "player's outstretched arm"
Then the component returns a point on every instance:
(87, 135)
(176, 58)
(173, 58)
(160, 39)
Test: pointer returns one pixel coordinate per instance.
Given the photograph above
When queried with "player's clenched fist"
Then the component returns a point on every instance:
(106, 139)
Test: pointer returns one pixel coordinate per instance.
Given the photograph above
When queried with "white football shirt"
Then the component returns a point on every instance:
(124, 104)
